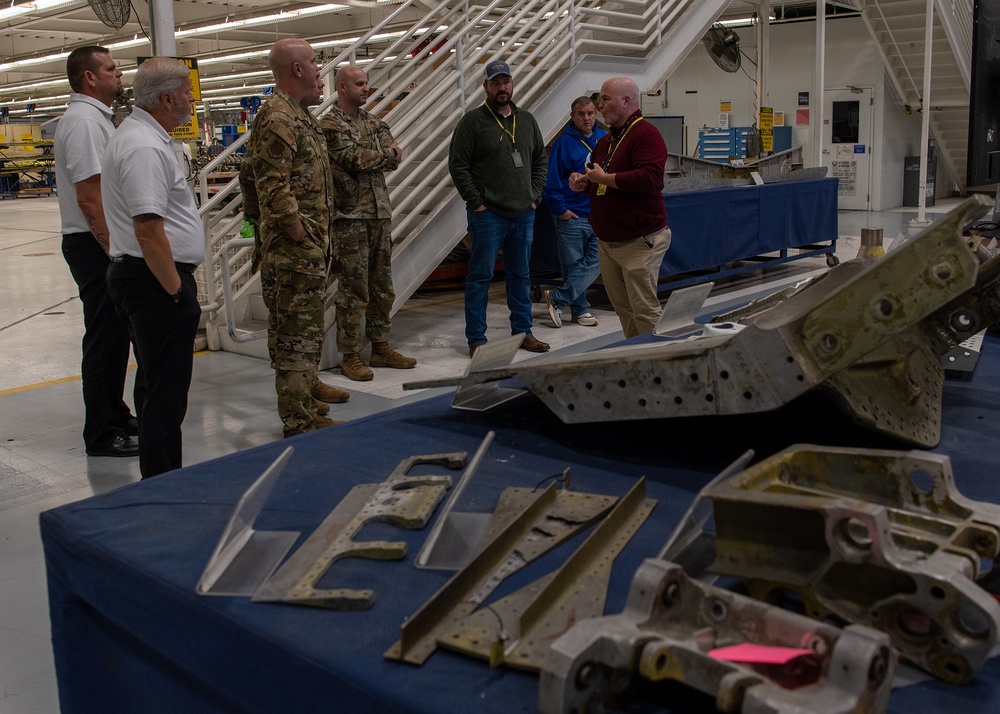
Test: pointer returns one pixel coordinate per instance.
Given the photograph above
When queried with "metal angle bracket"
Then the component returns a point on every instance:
(456, 537)
(403, 500)
(244, 558)
(516, 630)
(480, 397)
(549, 518)
(672, 623)
(683, 305)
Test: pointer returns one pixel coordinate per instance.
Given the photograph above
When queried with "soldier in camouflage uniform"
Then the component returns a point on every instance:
(292, 177)
(361, 150)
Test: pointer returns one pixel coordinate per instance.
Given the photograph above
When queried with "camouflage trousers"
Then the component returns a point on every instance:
(294, 289)
(362, 262)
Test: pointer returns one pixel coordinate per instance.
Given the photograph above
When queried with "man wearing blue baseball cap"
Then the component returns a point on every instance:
(497, 161)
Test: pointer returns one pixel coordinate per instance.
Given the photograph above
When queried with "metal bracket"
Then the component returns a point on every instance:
(403, 500)
(668, 629)
(244, 558)
(493, 355)
(683, 305)
(537, 614)
(880, 538)
(549, 519)
(456, 537)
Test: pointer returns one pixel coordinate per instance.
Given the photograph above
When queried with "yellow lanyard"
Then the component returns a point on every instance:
(617, 143)
(500, 123)
(588, 146)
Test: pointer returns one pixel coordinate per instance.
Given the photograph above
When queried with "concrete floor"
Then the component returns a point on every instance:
(42, 459)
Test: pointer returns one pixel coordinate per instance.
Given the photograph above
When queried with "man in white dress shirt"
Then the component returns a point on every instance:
(82, 134)
(157, 241)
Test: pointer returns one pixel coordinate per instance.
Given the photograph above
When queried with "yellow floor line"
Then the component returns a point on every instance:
(63, 380)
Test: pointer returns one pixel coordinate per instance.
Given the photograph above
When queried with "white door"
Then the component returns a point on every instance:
(847, 143)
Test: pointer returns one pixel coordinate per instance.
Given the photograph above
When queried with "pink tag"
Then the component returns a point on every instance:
(758, 654)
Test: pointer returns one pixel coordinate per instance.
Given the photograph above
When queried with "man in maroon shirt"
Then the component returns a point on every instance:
(625, 182)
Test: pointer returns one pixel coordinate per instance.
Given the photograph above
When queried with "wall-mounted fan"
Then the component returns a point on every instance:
(723, 44)
(113, 13)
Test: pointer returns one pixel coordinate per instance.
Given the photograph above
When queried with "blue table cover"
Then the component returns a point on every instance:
(713, 227)
(130, 634)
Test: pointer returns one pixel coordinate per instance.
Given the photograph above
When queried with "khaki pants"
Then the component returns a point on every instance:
(630, 270)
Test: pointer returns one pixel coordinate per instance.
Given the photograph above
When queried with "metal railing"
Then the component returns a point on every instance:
(429, 76)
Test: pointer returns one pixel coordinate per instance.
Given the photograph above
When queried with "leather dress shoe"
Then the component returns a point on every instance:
(131, 427)
(121, 445)
(533, 344)
(473, 348)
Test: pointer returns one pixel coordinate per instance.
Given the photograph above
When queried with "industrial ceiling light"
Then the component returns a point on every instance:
(37, 6)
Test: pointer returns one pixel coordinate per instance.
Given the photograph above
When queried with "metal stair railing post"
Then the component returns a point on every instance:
(227, 291)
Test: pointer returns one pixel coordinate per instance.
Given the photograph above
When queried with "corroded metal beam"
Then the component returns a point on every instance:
(870, 334)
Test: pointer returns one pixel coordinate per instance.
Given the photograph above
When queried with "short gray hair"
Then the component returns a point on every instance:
(156, 76)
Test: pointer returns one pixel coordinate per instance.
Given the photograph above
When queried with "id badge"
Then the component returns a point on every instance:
(602, 189)
(518, 161)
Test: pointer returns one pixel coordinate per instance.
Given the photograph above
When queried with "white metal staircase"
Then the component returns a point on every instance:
(426, 79)
(897, 27)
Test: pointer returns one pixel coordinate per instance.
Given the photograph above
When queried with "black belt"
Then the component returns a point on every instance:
(132, 260)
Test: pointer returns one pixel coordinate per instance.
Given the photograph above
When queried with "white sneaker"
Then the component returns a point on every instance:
(586, 319)
(555, 314)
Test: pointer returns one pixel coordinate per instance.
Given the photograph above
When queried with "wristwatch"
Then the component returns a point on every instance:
(177, 295)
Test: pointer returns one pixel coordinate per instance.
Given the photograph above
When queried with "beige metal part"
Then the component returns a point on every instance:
(870, 334)
(518, 629)
(403, 500)
(671, 623)
(550, 518)
(880, 538)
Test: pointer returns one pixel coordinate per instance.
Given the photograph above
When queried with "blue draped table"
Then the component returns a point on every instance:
(713, 229)
(130, 634)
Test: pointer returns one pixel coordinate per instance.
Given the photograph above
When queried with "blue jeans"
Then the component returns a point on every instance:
(577, 244)
(488, 233)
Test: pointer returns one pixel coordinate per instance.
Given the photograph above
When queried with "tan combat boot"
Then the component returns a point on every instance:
(353, 368)
(384, 356)
(322, 408)
(318, 422)
(331, 395)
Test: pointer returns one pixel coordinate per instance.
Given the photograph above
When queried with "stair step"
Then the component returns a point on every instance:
(251, 325)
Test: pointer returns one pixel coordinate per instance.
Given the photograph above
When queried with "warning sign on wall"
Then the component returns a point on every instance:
(847, 172)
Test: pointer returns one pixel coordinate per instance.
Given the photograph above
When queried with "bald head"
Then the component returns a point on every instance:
(352, 88)
(619, 99)
(285, 53)
(293, 63)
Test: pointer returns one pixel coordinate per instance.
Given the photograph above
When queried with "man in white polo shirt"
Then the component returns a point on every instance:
(157, 241)
(82, 134)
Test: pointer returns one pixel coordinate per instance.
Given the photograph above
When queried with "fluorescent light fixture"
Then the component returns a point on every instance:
(56, 98)
(233, 77)
(235, 91)
(37, 6)
(63, 55)
(283, 16)
(34, 60)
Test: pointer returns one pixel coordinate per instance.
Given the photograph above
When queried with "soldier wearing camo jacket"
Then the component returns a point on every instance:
(361, 150)
(294, 188)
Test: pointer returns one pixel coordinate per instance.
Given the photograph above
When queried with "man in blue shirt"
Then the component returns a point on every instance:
(575, 239)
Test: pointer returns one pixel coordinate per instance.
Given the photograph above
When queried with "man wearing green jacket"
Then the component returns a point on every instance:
(497, 161)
